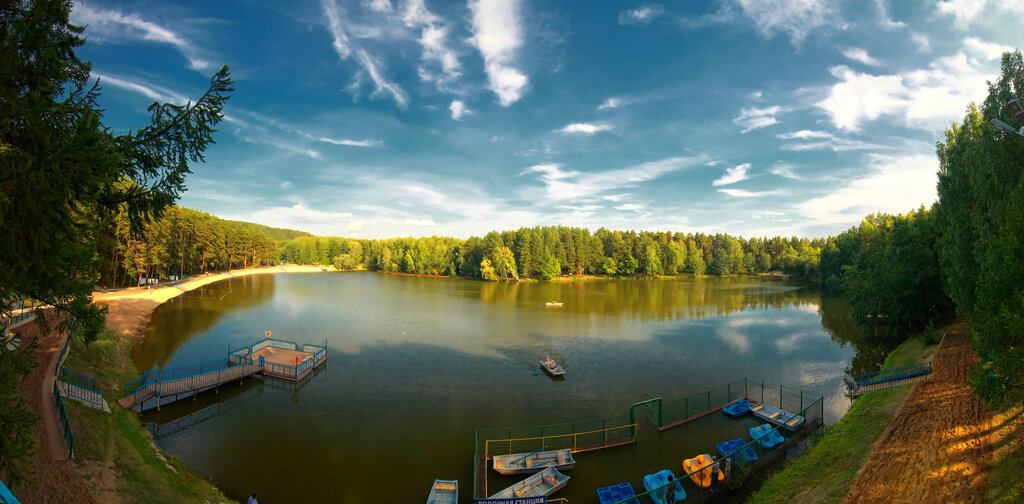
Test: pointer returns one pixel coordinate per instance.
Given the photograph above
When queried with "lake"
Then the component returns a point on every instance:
(416, 364)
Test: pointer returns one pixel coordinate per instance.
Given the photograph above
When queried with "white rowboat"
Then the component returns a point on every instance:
(522, 463)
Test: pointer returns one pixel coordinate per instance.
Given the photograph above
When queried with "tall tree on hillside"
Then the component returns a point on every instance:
(63, 173)
(981, 198)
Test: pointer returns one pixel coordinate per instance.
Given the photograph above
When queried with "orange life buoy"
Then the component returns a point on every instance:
(296, 360)
(268, 334)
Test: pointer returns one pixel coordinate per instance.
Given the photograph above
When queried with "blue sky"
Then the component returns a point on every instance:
(380, 118)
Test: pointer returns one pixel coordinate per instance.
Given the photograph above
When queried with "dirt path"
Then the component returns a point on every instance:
(57, 479)
(938, 448)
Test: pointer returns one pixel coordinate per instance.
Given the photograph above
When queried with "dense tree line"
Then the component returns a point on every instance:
(547, 252)
(965, 253)
(887, 268)
(180, 242)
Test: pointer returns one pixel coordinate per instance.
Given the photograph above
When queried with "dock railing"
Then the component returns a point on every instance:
(897, 374)
(813, 414)
(81, 387)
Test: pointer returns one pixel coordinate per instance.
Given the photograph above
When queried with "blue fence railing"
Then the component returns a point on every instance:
(62, 420)
(888, 375)
(80, 386)
(6, 497)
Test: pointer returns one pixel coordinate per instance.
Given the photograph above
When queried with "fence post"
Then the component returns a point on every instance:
(709, 399)
(801, 399)
(780, 396)
(762, 391)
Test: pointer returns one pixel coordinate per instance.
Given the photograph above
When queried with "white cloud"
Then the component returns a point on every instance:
(641, 15)
(740, 193)
(785, 170)
(753, 118)
(825, 141)
(963, 11)
(858, 54)
(457, 109)
(151, 91)
(411, 222)
(986, 50)
(350, 143)
(804, 135)
(630, 207)
(378, 5)
(115, 26)
(356, 226)
(585, 128)
(433, 39)
(371, 67)
(795, 17)
(897, 184)
(756, 95)
(923, 44)
(887, 22)
(733, 175)
(573, 185)
(610, 103)
(497, 34)
(926, 98)
(297, 215)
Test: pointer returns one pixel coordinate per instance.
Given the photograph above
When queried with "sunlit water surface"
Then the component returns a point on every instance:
(416, 364)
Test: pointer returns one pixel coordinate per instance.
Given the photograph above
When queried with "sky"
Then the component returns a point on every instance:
(383, 118)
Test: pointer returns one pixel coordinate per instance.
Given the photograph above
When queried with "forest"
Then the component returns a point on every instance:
(546, 252)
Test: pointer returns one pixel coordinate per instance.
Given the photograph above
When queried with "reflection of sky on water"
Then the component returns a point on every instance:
(425, 361)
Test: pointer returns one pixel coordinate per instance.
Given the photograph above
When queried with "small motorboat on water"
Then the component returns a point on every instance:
(737, 408)
(660, 480)
(553, 304)
(444, 492)
(521, 463)
(541, 484)
(766, 436)
(551, 366)
(616, 493)
(702, 469)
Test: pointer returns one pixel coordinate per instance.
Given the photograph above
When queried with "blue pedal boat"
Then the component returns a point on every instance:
(743, 457)
(615, 493)
(660, 479)
(765, 436)
(737, 408)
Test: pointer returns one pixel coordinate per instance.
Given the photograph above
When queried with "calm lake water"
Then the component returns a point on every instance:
(416, 364)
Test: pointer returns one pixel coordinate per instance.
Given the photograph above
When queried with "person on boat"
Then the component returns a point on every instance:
(252, 499)
(727, 469)
(670, 491)
(715, 468)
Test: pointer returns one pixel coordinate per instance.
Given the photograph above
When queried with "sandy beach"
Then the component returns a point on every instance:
(130, 309)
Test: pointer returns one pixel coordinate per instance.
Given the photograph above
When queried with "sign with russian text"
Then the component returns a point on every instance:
(517, 500)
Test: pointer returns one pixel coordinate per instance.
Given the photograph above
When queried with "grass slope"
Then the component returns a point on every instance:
(1005, 485)
(114, 451)
(826, 472)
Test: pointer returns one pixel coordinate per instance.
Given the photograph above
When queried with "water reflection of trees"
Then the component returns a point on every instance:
(872, 346)
(656, 299)
(171, 326)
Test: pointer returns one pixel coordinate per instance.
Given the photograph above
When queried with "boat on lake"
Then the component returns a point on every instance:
(553, 304)
(551, 366)
(444, 492)
(616, 493)
(741, 453)
(659, 480)
(702, 469)
(737, 408)
(766, 436)
(778, 417)
(541, 484)
(522, 463)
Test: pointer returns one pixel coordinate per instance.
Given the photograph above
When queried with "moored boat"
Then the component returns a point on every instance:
(551, 366)
(741, 453)
(522, 463)
(737, 408)
(444, 492)
(553, 304)
(702, 469)
(660, 480)
(541, 484)
(616, 493)
(766, 436)
(777, 416)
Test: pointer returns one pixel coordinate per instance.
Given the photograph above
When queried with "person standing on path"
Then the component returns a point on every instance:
(252, 499)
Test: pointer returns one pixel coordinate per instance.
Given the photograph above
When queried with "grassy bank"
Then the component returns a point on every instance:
(114, 452)
(826, 472)
(1005, 485)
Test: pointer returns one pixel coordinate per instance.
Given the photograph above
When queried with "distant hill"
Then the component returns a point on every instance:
(276, 234)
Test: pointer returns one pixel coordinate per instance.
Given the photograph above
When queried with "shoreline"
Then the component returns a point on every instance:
(129, 310)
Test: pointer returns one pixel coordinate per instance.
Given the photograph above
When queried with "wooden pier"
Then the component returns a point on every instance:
(279, 359)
